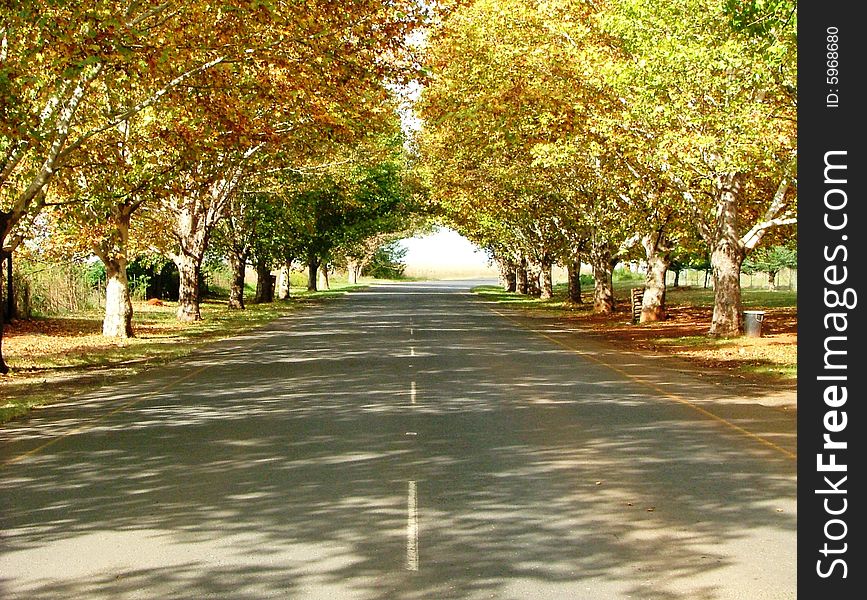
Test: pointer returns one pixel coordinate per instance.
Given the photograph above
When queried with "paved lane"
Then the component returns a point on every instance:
(404, 442)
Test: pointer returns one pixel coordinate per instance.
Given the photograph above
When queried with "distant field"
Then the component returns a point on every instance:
(432, 272)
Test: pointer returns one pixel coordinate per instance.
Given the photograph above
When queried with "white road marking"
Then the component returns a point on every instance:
(412, 392)
(411, 528)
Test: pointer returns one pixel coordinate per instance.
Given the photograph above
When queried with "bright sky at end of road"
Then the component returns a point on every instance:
(442, 253)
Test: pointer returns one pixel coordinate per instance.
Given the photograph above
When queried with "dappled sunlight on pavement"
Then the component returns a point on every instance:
(278, 464)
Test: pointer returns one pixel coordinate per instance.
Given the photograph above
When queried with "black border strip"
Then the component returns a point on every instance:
(830, 122)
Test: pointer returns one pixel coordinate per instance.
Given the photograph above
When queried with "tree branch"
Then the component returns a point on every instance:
(147, 102)
(770, 219)
(61, 133)
(758, 231)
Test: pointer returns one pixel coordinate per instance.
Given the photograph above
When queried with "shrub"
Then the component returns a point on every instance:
(621, 274)
(56, 289)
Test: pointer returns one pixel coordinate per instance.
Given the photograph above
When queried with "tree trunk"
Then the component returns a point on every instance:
(312, 270)
(726, 261)
(189, 268)
(284, 281)
(195, 216)
(653, 300)
(772, 281)
(323, 283)
(508, 274)
(118, 305)
(353, 271)
(11, 309)
(534, 274)
(653, 303)
(117, 322)
(546, 291)
(676, 278)
(573, 268)
(603, 289)
(264, 290)
(3, 367)
(238, 264)
(726, 258)
(521, 280)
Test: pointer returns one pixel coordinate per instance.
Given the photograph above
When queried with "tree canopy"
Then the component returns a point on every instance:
(556, 131)
(568, 128)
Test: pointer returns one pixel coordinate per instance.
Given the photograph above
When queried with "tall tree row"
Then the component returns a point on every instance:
(578, 130)
(116, 107)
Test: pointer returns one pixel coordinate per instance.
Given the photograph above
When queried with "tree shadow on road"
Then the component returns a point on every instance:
(285, 468)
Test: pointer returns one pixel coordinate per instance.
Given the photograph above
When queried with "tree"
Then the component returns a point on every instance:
(96, 200)
(643, 120)
(508, 131)
(713, 99)
(54, 57)
(771, 261)
(57, 57)
(387, 262)
(341, 212)
(196, 205)
(329, 64)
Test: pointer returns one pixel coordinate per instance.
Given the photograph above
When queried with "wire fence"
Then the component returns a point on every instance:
(786, 279)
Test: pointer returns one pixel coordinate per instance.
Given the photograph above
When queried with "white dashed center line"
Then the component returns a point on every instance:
(411, 527)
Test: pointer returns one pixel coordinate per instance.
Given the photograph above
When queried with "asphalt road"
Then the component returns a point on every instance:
(403, 442)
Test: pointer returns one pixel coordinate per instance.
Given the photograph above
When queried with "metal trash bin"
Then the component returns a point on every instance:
(753, 322)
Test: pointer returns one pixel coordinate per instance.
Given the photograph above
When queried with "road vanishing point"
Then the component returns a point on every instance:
(406, 441)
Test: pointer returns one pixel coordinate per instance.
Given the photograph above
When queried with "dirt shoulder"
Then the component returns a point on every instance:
(770, 358)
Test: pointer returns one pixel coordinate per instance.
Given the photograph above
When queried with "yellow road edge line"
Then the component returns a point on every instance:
(101, 418)
(656, 388)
